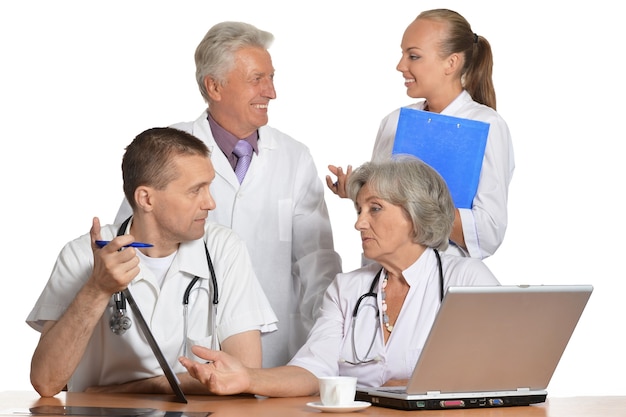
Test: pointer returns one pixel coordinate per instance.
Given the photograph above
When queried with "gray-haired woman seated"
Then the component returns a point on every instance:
(374, 320)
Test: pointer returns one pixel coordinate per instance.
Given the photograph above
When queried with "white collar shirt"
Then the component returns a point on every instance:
(114, 359)
(484, 225)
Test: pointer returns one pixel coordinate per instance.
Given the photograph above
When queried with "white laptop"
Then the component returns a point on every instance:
(489, 347)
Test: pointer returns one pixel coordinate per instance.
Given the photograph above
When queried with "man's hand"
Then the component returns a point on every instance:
(63, 342)
(222, 373)
(114, 266)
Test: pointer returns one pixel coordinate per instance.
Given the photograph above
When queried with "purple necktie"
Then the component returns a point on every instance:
(243, 151)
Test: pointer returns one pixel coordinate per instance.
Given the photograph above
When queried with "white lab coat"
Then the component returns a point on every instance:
(280, 212)
(484, 225)
(115, 359)
(330, 347)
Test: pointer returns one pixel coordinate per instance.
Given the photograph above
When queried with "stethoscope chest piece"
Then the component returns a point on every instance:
(120, 322)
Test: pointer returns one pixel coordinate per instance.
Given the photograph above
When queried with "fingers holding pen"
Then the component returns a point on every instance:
(115, 245)
(115, 264)
(114, 269)
(94, 232)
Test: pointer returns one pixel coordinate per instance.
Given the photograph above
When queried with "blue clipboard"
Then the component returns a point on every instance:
(453, 146)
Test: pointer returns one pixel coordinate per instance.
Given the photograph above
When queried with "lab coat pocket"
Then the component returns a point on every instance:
(285, 213)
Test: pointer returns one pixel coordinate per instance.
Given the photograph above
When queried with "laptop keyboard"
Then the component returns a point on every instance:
(393, 390)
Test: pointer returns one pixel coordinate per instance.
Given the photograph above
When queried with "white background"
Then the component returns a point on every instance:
(78, 80)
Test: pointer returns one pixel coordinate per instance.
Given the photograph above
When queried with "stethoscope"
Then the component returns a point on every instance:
(371, 293)
(120, 322)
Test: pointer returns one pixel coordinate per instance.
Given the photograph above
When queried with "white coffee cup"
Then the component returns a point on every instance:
(337, 390)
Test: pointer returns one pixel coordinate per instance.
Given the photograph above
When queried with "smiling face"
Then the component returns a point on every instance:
(181, 208)
(240, 105)
(386, 231)
(423, 69)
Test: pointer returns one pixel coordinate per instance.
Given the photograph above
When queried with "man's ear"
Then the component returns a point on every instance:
(143, 198)
(213, 88)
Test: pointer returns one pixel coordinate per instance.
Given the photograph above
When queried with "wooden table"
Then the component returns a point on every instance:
(241, 406)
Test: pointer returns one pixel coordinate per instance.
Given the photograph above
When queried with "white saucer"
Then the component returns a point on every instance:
(355, 406)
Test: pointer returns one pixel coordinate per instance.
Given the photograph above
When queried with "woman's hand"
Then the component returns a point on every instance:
(338, 187)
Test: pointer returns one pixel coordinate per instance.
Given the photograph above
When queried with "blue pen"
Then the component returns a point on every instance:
(103, 243)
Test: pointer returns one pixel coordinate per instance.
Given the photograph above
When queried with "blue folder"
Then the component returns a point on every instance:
(453, 146)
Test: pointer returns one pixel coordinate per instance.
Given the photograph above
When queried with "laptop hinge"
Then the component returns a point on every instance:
(523, 390)
(433, 392)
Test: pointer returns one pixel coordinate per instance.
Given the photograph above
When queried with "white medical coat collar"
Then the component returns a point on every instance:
(190, 259)
(460, 101)
(421, 267)
(267, 142)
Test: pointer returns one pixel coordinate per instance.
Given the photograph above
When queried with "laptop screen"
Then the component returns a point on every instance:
(498, 338)
(491, 343)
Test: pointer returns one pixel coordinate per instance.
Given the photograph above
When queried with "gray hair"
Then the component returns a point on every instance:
(417, 188)
(215, 55)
